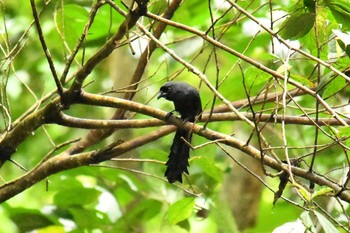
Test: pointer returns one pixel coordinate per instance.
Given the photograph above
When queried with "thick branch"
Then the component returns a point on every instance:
(274, 34)
(235, 53)
(95, 136)
(106, 124)
(84, 123)
(64, 162)
(51, 113)
(105, 51)
(13, 138)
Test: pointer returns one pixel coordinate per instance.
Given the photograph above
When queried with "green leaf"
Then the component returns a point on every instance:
(196, 13)
(76, 197)
(156, 154)
(344, 131)
(310, 5)
(327, 226)
(222, 214)
(297, 25)
(302, 80)
(88, 218)
(255, 79)
(181, 210)
(341, 11)
(151, 209)
(185, 224)
(209, 167)
(145, 210)
(71, 21)
(333, 87)
(105, 24)
(28, 219)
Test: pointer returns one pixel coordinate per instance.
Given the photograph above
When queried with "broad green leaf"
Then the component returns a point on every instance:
(76, 197)
(70, 22)
(297, 25)
(154, 153)
(327, 226)
(145, 210)
(124, 194)
(341, 11)
(310, 5)
(196, 13)
(28, 219)
(222, 214)
(302, 80)
(185, 224)
(255, 79)
(88, 218)
(344, 132)
(151, 208)
(181, 210)
(333, 87)
(209, 167)
(104, 25)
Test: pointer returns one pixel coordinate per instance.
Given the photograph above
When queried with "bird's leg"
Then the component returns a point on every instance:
(188, 119)
(184, 120)
(169, 114)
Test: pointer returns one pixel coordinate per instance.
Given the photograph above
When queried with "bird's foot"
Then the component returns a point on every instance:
(169, 114)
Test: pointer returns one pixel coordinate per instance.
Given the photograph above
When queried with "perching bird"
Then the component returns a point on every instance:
(188, 103)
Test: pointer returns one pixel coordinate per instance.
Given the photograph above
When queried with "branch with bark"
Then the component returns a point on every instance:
(52, 108)
(64, 161)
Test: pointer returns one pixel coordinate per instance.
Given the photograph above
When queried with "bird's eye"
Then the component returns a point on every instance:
(169, 89)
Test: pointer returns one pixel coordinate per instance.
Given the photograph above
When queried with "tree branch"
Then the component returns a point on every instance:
(95, 136)
(84, 123)
(104, 51)
(45, 48)
(64, 162)
(237, 54)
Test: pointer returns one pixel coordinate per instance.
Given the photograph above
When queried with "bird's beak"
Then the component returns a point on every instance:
(161, 94)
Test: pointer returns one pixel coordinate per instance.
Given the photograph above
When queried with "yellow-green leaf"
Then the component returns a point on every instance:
(181, 210)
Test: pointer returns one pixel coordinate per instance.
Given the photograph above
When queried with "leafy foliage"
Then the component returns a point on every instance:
(283, 66)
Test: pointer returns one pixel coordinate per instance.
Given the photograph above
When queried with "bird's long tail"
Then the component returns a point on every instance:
(178, 157)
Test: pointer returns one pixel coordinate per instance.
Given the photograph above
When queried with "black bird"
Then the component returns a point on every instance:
(188, 103)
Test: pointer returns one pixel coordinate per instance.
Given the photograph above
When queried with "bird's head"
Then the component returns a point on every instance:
(166, 91)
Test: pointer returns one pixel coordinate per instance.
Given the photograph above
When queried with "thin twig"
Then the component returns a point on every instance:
(46, 50)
